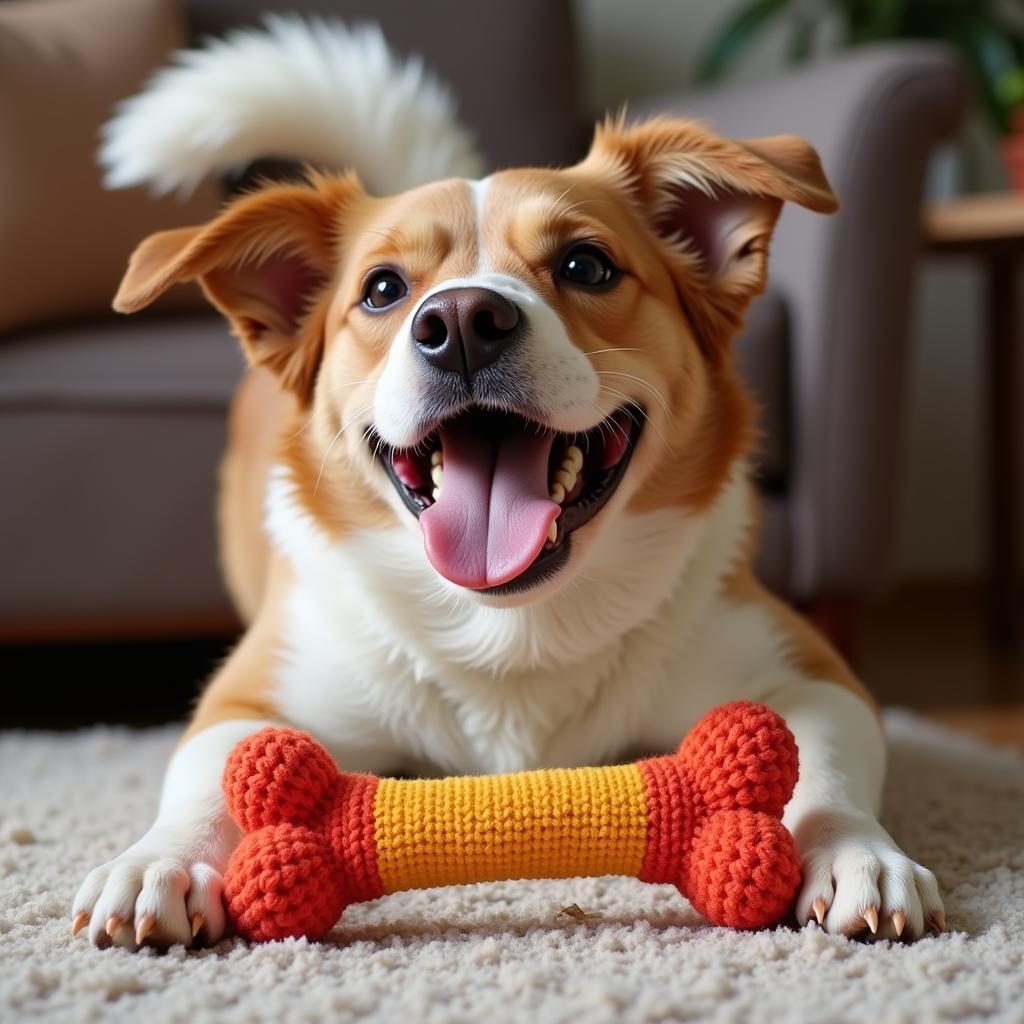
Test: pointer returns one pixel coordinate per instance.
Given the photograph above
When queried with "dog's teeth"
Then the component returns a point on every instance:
(567, 478)
(436, 493)
(437, 475)
(436, 458)
(553, 531)
(575, 456)
(557, 493)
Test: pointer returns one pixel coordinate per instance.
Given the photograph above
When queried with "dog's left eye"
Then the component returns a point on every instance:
(588, 267)
(384, 288)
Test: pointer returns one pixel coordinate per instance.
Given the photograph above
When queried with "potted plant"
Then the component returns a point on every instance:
(988, 33)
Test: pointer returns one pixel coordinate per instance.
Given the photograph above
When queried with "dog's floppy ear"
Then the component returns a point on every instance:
(713, 203)
(263, 262)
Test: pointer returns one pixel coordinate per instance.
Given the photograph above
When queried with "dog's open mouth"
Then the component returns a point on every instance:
(498, 496)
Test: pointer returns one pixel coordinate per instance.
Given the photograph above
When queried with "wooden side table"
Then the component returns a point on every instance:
(990, 227)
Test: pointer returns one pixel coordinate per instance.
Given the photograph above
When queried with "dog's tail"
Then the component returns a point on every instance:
(300, 90)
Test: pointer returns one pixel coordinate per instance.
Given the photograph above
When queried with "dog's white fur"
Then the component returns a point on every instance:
(396, 669)
(309, 90)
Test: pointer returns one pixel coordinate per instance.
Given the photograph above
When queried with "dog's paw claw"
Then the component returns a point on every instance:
(146, 898)
(143, 926)
(820, 909)
(870, 916)
(858, 882)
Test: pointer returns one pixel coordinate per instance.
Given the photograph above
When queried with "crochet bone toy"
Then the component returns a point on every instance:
(706, 819)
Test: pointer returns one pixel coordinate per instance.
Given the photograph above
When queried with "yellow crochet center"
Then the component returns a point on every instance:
(542, 824)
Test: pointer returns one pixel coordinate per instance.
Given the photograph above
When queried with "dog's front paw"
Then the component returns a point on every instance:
(166, 889)
(857, 880)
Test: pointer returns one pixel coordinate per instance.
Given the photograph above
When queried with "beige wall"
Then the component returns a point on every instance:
(641, 47)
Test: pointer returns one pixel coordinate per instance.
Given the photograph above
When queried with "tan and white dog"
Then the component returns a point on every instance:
(485, 504)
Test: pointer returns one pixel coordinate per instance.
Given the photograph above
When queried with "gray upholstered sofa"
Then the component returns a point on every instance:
(111, 429)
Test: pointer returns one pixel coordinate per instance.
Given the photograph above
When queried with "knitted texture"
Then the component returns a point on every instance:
(743, 756)
(279, 775)
(284, 881)
(714, 828)
(705, 819)
(540, 824)
(743, 869)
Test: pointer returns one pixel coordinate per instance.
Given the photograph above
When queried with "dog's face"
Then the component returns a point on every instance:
(506, 366)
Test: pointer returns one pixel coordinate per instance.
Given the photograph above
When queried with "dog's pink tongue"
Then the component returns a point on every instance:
(492, 517)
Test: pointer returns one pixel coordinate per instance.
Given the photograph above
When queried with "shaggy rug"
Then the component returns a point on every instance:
(508, 952)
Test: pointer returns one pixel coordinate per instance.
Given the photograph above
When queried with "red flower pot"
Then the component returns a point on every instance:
(1012, 150)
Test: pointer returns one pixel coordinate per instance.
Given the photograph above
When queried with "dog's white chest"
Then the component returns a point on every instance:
(382, 708)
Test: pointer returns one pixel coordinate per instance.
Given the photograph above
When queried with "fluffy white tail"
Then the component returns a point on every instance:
(305, 90)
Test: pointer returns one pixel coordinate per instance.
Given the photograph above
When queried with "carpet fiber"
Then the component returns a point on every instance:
(506, 952)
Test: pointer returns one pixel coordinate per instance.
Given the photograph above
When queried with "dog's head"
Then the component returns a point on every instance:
(506, 366)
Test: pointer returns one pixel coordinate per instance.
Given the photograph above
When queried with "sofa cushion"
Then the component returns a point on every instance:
(110, 440)
(187, 362)
(64, 240)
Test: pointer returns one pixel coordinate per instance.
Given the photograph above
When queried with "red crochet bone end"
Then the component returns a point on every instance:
(743, 870)
(279, 775)
(742, 755)
(284, 882)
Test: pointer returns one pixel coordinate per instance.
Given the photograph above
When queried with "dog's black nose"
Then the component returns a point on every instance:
(462, 330)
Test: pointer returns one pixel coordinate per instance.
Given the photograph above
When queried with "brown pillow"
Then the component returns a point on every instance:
(64, 239)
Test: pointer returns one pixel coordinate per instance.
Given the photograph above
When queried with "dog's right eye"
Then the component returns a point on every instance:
(384, 289)
(587, 266)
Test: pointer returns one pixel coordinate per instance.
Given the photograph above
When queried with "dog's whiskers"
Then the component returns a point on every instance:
(606, 425)
(614, 348)
(564, 194)
(643, 383)
(341, 430)
(632, 407)
(351, 384)
(378, 444)
(332, 391)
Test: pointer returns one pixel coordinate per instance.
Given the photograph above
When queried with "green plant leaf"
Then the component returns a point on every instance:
(1010, 88)
(991, 55)
(736, 36)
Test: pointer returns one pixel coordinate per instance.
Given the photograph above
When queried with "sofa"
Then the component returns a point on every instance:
(111, 429)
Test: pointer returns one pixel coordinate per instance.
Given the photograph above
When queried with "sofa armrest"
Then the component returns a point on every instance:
(874, 115)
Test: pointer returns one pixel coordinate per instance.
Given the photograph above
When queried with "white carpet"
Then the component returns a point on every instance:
(503, 952)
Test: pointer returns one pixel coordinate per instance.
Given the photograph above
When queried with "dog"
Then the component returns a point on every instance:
(485, 503)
